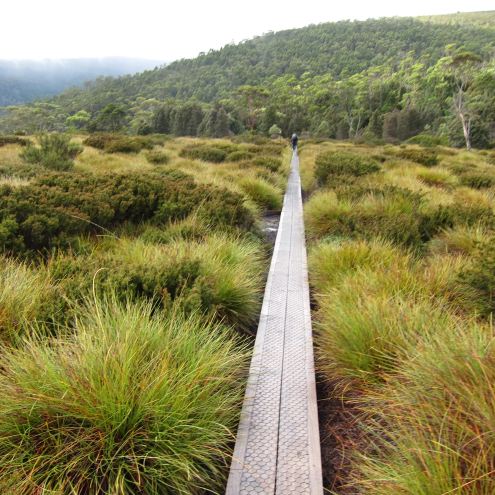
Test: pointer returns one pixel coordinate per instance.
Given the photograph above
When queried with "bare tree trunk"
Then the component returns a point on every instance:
(460, 108)
(466, 129)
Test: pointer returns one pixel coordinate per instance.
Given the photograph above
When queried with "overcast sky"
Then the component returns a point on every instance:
(167, 30)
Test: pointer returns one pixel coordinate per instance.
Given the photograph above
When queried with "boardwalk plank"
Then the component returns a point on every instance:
(277, 450)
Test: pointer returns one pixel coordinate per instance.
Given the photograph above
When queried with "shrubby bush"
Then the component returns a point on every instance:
(55, 208)
(157, 157)
(274, 131)
(216, 275)
(119, 143)
(204, 152)
(331, 164)
(239, 155)
(425, 157)
(392, 213)
(429, 140)
(55, 152)
(271, 163)
(257, 139)
(270, 148)
(4, 140)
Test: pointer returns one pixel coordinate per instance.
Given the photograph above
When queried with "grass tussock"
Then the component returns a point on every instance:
(134, 402)
(219, 276)
(27, 294)
(401, 267)
(442, 441)
(262, 193)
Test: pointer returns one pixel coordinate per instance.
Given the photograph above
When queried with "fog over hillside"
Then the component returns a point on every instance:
(22, 81)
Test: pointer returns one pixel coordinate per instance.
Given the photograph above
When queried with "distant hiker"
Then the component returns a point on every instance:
(294, 139)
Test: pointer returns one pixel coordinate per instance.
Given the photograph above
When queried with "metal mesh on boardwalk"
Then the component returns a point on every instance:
(277, 449)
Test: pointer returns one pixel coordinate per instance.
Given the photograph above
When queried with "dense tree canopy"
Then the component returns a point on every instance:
(386, 78)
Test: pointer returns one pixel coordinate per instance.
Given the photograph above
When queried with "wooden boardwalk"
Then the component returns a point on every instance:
(278, 446)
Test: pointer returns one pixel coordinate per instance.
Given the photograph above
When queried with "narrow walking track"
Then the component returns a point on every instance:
(278, 445)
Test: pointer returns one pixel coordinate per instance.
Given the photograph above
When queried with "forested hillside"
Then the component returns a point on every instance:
(23, 81)
(483, 19)
(388, 78)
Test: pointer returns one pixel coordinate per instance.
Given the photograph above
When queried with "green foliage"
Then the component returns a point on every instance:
(425, 157)
(275, 131)
(130, 380)
(204, 152)
(238, 156)
(55, 208)
(428, 140)
(271, 163)
(157, 157)
(478, 179)
(4, 140)
(117, 143)
(332, 164)
(262, 193)
(215, 123)
(391, 213)
(110, 118)
(79, 120)
(386, 77)
(55, 152)
(215, 275)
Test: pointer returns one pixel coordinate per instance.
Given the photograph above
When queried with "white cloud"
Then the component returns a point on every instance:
(168, 30)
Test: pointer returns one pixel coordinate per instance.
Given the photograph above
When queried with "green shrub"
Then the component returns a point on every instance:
(4, 140)
(251, 139)
(272, 149)
(55, 151)
(204, 152)
(157, 157)
(271, 163)
(478, 180)
(425, 157)
(265, 195)
(330, 164)
(428, 140)
(238, 156)
(393, 214)
(55, 208)
(135, 402)
(118, 143)
(99, 140)
(227, 147)
(455, 215)
(274, 131)
(216, 275)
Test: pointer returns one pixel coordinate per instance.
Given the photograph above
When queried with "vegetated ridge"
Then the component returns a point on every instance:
(389, 78)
